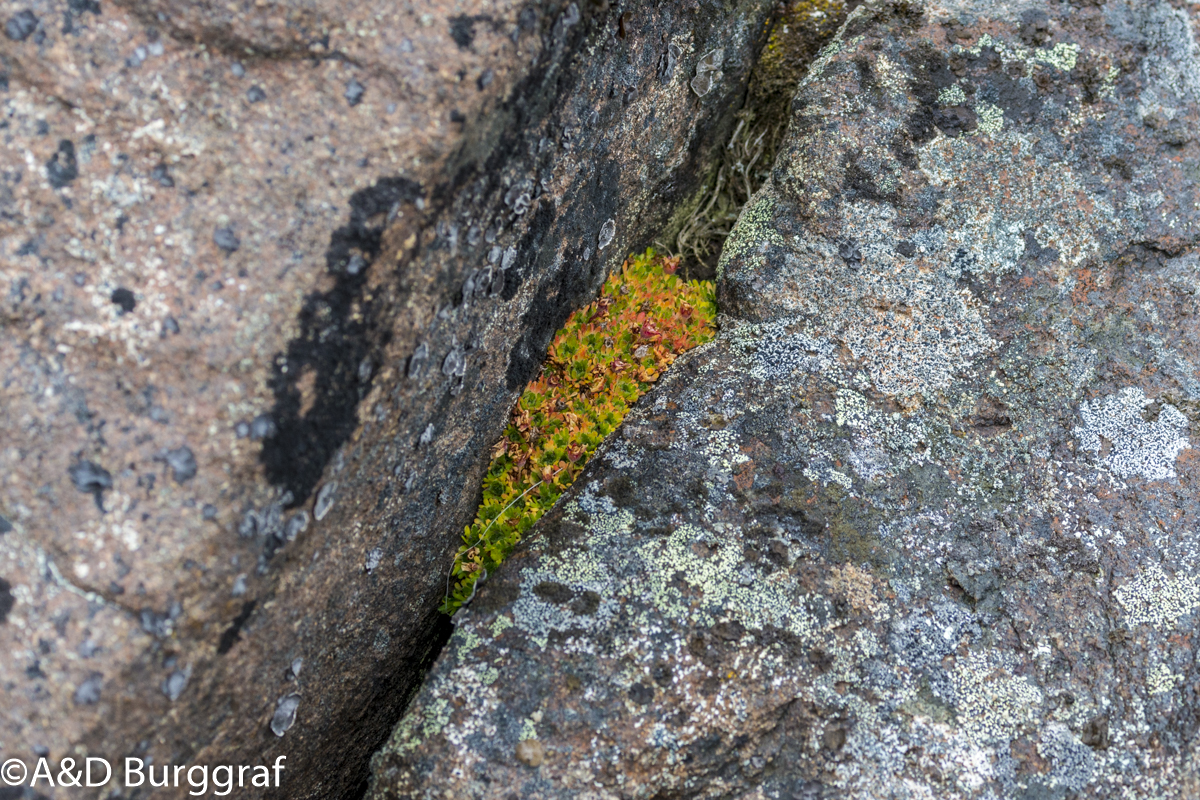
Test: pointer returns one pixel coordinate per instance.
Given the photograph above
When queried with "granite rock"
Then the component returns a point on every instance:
(271, 275)
(922, 520)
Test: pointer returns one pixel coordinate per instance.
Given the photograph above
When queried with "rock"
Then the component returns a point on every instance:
(272, 249)
(922, 520)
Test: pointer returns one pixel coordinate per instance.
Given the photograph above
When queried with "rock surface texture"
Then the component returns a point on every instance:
(922, 521)
(271, 275)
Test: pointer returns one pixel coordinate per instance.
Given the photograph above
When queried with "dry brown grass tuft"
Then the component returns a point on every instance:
(744, 167)
(802, 27)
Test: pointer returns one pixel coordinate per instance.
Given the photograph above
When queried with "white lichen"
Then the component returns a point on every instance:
(1153, 598)
(1135, 447)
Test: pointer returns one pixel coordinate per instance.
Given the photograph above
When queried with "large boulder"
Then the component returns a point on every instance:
(272, 275)
(922, 520)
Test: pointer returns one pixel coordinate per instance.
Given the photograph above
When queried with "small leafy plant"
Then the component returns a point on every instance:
(607, 356)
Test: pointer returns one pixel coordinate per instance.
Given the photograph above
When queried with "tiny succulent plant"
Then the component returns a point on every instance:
(607, 355)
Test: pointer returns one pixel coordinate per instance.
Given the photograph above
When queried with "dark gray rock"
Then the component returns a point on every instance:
(922, 520)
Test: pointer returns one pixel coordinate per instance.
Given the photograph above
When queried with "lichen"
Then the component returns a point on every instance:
(1138, 447)
(993, 704)
(1153, 598)
(755, 225)
(990, 118)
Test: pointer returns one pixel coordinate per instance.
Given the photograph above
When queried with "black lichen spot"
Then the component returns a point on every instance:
(1035, 27)
(662, 674)
(182, 463)
(641, 694)
(955, 120)
(1019, 102)
(80, 6)
(124, 298)
(21, 25)
(1042, 256)
(91, 478)
(162, 176)
(850, 253)
(62, 168)
(339, 329)
(931, 74)
(7, 601)
(230, 635)
(586, 604)
(1095, 733)
(354, 92)
(462, 31)
(88, 692)
(551, 592)
(226, 239)
(620, 489)
(262, 427)
(255, 94)
(1120, 166)
(906, 248)
(834, 737)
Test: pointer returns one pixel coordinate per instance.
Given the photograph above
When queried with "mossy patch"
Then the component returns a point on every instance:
(607, 356)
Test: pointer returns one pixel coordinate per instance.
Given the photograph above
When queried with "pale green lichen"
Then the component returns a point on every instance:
(891, 77)
(467, 642)
(1153, 598)
(528, 730)
(989, 118)
(991, 217)
(502, 623)
(1138, 447)
(437, 714)
(993, 704)
(1160, 679)
(754, 229)
(1109, 84)
(952, 96)
(1061, 56)
(817, 70)
(719, 579)
(828, 475)
(405, 739)
(852, 409)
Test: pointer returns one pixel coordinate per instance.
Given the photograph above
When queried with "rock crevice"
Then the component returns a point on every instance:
(921, 520)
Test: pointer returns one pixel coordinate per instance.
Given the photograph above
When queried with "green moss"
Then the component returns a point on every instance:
(803, 27)
(606, 356)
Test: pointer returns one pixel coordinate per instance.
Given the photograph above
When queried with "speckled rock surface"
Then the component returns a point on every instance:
(922, 521)
(270, 277)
